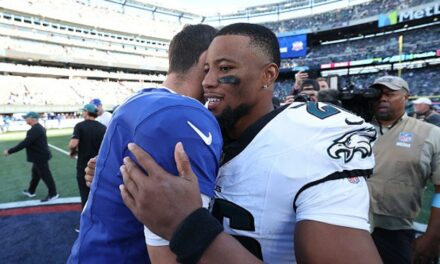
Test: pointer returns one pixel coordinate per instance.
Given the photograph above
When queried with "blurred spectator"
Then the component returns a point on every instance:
(310, 87)
(424, 111)
(2, 124)
(7, 121)
(323, 84)
(104, 117)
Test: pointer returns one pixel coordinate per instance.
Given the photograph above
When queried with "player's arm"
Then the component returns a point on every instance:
(73, 144)
(158, 249)
(426, 248)
(31, 136)
(180, 195)
(332, 219)
(160, 252)
(74, 141)
(335, 244)
(161, 255)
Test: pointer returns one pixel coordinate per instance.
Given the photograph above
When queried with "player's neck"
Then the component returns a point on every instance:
(184, 85)
(175, 82)
(255, 114)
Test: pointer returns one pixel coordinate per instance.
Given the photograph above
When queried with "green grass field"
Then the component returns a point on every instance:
(15, 171)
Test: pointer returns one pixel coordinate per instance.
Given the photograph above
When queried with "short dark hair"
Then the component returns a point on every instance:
(260, 37)
(321, 79)
(187, 46)
(95, 115)
(310, 82)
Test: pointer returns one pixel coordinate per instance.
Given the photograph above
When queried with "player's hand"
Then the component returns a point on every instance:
(160, 200)
(426, 249)
(73, 153)
(289, 99)
(6, 152)
(90, 171)
(299, 78)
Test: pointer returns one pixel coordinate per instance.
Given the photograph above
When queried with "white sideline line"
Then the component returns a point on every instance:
(59, 149)
(31, 203)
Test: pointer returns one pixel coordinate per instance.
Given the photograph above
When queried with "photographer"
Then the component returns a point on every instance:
(308, 91)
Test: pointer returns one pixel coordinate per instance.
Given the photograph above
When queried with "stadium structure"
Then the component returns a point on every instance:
(55, 55)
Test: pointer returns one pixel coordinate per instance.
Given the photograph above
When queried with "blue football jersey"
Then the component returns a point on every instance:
(155, 119)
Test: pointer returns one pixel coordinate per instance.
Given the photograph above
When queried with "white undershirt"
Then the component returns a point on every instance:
(154, 240)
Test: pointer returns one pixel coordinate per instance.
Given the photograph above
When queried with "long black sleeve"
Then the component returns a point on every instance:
(35, 142)
(32, 134)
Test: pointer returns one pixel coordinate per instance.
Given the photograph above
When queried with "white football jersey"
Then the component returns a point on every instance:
(290, 155)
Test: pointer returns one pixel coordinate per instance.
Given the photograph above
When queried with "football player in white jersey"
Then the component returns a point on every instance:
(291, 186)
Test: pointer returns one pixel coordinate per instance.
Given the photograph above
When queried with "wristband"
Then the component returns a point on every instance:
(436, 200)
(194, 235)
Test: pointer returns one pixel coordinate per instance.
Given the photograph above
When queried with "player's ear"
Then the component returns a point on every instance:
(270, 75)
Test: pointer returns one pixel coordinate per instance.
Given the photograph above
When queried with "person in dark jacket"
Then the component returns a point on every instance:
(37, 152)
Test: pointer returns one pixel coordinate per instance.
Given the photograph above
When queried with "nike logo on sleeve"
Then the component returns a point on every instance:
(206, 138)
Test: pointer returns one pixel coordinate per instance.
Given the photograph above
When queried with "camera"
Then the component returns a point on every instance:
(350, 92)
(359, 100)
(354, 99)
(302, 97)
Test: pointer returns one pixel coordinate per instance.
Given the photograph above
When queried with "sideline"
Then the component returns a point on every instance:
(31, 203)
(59, 149)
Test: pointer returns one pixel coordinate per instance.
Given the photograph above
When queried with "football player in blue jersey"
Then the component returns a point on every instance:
(155, 119)
(291, 185)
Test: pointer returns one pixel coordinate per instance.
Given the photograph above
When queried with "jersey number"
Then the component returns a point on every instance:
(326, 111)
(240, 219)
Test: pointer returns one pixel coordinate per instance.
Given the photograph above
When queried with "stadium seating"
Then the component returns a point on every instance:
(39, 91)
(414, 41)
(339, 18)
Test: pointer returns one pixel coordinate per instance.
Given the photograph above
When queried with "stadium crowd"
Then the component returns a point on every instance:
(39, 91)
(414, 41)
(339, 18)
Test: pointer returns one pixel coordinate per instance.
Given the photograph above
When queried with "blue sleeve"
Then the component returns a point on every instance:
(199, 132)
